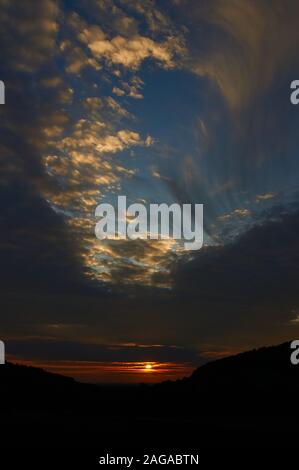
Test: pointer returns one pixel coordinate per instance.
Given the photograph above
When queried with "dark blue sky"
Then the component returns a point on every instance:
(178, 101)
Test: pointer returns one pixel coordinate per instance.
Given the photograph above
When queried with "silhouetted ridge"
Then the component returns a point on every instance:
(32, 375)
(258, 368)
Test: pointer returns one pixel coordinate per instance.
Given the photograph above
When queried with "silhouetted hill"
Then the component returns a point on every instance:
(262, 380)
(247, 400)
(13, 374)
(267, 364)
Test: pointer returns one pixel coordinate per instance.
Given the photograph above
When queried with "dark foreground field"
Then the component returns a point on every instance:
(248, 401)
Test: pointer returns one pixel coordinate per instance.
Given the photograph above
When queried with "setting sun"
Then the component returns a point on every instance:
(148, 366)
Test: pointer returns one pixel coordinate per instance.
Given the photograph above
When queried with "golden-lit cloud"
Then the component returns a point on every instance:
(80, 159)
(132, 90)
(77, 59)
(83, 168)
(128, 52)
(242, 212)
(118, 91)
(156, 20)
(264, 197)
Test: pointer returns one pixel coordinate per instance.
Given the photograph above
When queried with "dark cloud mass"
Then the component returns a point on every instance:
(180, 101)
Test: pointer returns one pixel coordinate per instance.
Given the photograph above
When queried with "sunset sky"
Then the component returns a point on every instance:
(184, 101)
